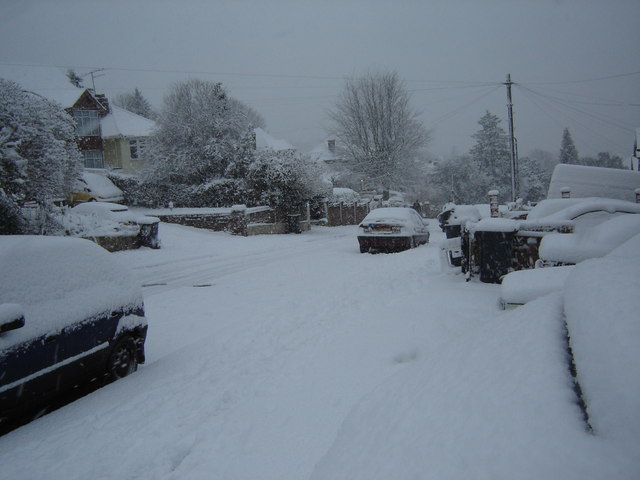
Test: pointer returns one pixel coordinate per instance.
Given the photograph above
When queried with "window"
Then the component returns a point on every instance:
(87, 123)
(137, 148)
(93, 159)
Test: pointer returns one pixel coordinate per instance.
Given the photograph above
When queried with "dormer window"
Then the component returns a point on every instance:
(87, 123)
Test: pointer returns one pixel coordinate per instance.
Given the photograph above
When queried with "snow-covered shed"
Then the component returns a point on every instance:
(125, 137)
(585, 181)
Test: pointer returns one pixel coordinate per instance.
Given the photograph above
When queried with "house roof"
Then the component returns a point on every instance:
(594, 182)
(322, 152)
(123, 123)
(49, 82)
(264, 140)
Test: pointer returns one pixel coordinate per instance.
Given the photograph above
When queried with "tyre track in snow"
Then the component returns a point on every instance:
(204, 270)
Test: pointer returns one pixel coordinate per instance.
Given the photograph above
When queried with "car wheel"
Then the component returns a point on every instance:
(363, 249)
(122, 361)
(92, 200)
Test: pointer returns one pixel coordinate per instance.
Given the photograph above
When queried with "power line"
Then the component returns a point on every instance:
(585, 80)
(452, 113)
(599, 101)
(601, 117)
(554, 105)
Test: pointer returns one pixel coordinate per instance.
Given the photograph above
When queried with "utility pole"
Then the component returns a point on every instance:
(514, 151)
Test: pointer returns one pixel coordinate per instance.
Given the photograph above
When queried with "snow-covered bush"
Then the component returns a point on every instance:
(283, 179)
(39, 159)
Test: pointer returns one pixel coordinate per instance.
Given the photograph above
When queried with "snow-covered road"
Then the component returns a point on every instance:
(295, 356)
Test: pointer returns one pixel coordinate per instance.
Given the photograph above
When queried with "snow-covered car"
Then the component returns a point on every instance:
(582, 213)
(69, 314)
(108, 211)
(392, 229)
(112, 219)
(92, 187)
(597, 241)
(559, 252)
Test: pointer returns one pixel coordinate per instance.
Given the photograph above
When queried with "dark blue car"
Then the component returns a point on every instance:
(69, 314)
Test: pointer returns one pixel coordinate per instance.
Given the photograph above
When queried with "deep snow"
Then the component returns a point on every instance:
(297, 357)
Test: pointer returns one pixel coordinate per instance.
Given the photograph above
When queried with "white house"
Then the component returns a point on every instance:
(125, 137)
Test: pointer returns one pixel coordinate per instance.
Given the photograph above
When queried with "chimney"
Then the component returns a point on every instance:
(494, 206)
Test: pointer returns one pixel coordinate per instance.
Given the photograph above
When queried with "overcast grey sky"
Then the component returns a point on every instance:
(576, 63)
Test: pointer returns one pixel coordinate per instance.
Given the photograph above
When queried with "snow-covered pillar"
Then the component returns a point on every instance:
(565, 192)
(493, 203)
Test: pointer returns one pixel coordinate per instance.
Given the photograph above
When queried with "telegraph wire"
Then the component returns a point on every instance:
(532, 96)
(585, 80)
(601, 117)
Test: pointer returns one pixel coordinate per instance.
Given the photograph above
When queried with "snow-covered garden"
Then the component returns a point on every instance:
(296, 357)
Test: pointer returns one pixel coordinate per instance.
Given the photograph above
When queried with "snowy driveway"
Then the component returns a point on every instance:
(295, 356)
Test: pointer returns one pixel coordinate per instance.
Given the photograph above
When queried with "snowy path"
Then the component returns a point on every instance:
(300, 350)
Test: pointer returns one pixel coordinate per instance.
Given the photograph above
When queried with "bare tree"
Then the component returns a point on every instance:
(377, 129)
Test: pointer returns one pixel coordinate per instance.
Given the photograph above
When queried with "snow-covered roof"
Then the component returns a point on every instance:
(264, 140)
(123, 123)
(50, 82)
(323, 152)
(594, 182)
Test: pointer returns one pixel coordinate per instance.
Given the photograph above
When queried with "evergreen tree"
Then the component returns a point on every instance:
(135, 102)
(534, 179)
(74, 78)
(604, 159)
(283, 179)
(39, 159)
(199, 135)
(491, 153)
(459, 180)
(568, 151)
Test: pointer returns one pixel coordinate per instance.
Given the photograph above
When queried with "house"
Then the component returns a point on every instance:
(124, 136)
(82, 104)
(335, 166)
(265, 141)
(328, 153)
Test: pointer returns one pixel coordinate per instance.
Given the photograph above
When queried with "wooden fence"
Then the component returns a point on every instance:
(346, 214)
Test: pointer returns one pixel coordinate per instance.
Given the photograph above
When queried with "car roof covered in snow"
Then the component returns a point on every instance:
(570, 208)
(390, 214)
(101, 185)
(59, 280)
(590, 243)
(99, 207)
